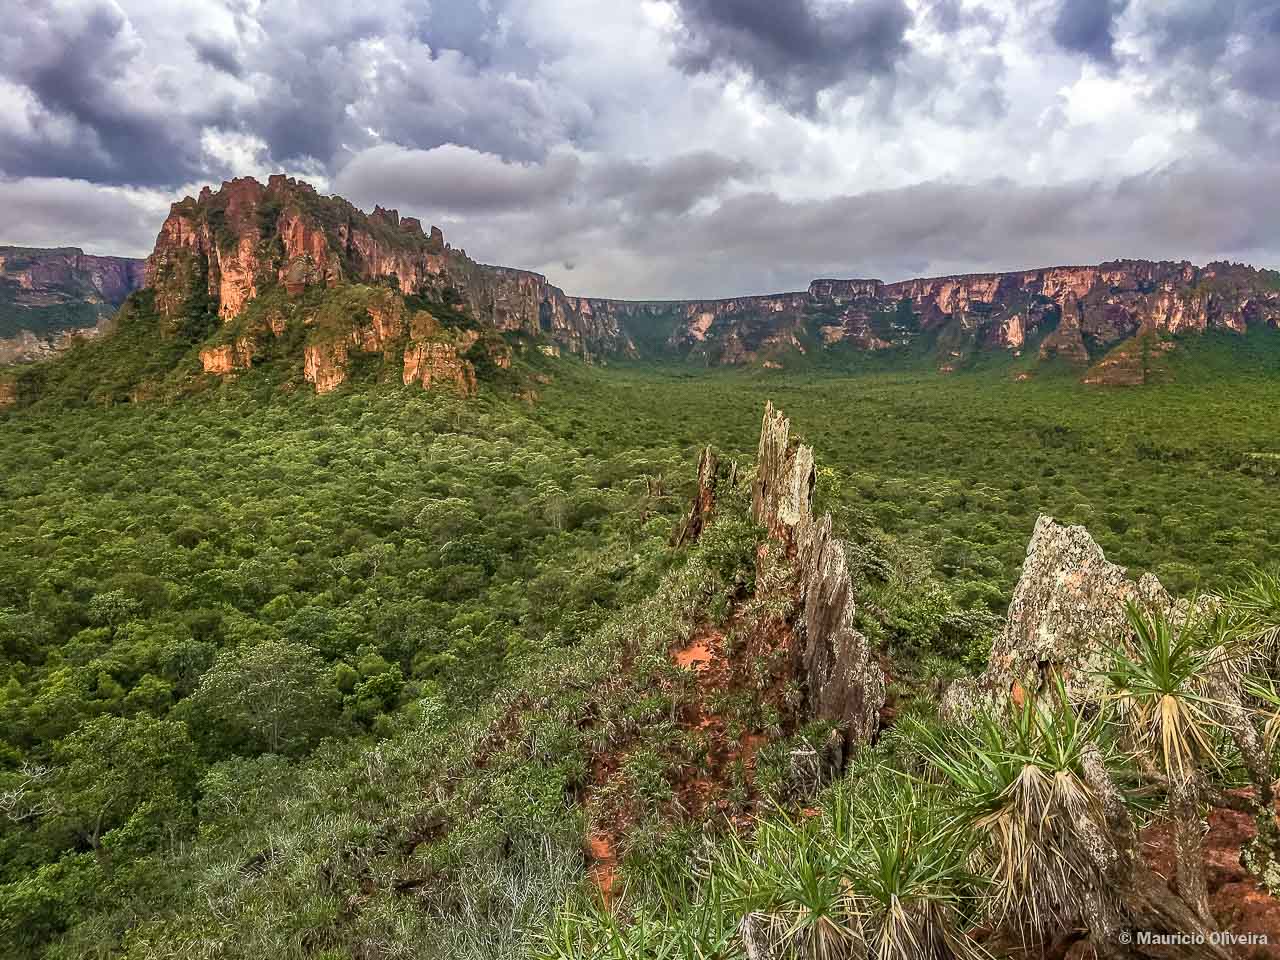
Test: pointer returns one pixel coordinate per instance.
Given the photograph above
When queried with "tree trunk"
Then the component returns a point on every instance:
(1188, 843)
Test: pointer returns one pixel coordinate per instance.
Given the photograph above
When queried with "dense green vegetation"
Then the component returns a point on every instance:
(1172, 477)
(293, 676)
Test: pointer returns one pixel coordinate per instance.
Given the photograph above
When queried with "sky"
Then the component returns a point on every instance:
(667, 148)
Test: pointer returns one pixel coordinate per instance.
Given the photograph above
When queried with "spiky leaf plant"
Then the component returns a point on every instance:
(1254, 607)
(1162, 685)
(881, 872)
(1020, 786)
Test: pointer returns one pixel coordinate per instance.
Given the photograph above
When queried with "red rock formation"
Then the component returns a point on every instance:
(229, 357)
(228, 245)
(1076, 313)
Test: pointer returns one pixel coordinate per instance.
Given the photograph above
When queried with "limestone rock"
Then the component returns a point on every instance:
(1068, 610)
(843, 683)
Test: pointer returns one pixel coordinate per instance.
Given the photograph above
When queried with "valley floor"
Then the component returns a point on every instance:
(385, 674)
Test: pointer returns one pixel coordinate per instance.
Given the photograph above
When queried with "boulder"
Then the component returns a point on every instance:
(1068, 611)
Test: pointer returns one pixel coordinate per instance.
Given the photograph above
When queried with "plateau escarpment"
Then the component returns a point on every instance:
(1105, 318)
(50, 296)
(255, 272)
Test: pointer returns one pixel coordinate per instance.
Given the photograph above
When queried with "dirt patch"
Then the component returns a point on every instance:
(604, 866)
(1238, 901)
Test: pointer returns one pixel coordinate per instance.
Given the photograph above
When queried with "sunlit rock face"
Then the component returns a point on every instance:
(1073, 314)
(227, 246)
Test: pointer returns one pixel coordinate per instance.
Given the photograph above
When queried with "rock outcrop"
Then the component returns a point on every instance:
(227, 246)
(1068, 610)
(843, 683)
(51, 298)
(712, 472)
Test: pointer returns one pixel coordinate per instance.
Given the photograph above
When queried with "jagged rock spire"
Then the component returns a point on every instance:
(843, 683)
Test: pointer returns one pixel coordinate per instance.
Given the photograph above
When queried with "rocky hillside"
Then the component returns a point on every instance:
(49, 296)
(226, 247)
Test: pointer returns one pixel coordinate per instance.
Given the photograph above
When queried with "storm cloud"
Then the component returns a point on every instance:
(794, 48)
(661, 148)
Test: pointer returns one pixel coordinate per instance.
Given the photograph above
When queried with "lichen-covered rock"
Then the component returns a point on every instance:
(842, 681)
(1068, 611)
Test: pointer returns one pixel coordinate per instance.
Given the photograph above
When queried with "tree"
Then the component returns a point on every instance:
(114, 769)
(269, 697)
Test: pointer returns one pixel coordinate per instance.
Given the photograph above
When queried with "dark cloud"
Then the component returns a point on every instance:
(1088, 27)
(691, 227)
(452, 179)
(794, 49)
(671, 186)
(1239, 37)
(217, 53)
(952, 16)
(46, 212)
(1221, 62)
(89, 120)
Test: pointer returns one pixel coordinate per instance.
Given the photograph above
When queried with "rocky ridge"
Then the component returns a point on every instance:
(843, 682)
(1077, 314)
(49, 297)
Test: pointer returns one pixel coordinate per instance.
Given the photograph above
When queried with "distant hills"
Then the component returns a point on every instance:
(50, 295)
(256, 258)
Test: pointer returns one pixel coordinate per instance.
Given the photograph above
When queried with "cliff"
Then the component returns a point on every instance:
(1105, 315)
(223, 249)
(48, 297)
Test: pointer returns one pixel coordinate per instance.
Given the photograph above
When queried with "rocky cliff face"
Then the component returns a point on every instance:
(50, 297)
(225, 248)
(1076, 314)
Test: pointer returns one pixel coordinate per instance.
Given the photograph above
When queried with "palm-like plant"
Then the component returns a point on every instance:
(1254, 606)
(1020, 786)
(882, 873)
(1161, 685)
